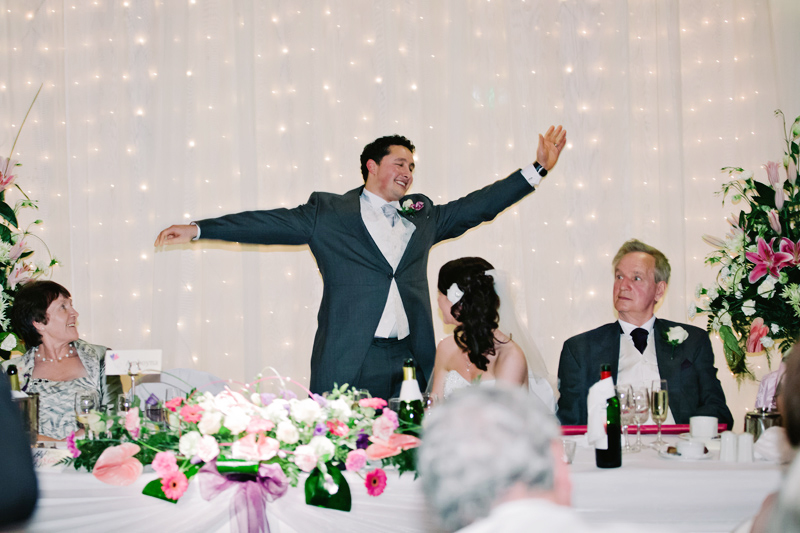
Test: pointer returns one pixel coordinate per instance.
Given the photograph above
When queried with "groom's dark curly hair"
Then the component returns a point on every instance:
(377, 149)
(476, 310)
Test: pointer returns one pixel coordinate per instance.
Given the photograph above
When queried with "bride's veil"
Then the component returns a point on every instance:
(540, 381)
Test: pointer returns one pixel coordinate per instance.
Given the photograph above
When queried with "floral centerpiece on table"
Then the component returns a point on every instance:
(258, 443)
(754, 305)
(16, 261)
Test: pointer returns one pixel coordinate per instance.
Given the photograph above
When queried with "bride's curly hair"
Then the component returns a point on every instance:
(476, 310)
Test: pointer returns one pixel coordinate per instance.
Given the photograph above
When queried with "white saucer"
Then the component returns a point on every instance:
(688, 436)
(676, 457)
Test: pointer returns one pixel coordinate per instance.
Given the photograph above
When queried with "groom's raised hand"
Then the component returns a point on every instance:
(550, 146)
(178, 234)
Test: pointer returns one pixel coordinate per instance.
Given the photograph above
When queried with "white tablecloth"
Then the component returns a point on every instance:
(692, 496)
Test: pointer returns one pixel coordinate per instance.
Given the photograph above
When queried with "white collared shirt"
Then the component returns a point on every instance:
(639, 369)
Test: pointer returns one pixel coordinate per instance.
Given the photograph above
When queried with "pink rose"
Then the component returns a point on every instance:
(375, 403)
(117, 466)
(305, 458)
(356, 460)
(757, 331)
(132, 422)
(165, 463)
(191, 413)
(383, 427)
(259, 425)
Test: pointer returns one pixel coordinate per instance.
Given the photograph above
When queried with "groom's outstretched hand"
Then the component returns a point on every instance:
(178, 234)
(550, 146)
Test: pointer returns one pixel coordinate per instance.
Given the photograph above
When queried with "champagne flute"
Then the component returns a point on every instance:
(641, 408)
(85, 403)
(626, 411)
(659, 407)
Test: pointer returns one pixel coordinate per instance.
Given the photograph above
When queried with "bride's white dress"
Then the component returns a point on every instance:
(539, 387)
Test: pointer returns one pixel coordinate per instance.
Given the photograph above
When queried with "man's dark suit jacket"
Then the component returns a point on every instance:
(18, 488)
(694, 389)
(356, 275)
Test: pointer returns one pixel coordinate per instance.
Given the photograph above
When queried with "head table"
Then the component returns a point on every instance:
(665, 494)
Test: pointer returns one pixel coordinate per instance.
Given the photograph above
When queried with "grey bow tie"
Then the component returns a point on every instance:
(390, 212)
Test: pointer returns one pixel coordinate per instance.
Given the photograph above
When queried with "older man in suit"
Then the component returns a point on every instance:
(371, 245)
(638, 348)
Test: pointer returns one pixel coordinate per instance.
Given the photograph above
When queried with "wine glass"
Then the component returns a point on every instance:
(659, 407)
(641, 411)
(626, 412)
(85, 403)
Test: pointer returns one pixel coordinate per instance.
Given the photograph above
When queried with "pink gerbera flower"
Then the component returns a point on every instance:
(174, 485)
(767, 261)
(191, 413)
(375, 482)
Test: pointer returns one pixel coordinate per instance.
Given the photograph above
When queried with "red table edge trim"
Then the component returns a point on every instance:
(671, 429)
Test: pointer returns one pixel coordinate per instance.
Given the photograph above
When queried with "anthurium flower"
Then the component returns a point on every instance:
(766, 260)
(757, 331)
(375, 403)
(381, 449)
(117, 466)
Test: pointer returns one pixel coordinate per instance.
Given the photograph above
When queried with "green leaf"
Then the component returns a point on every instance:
(7, 213)
(316, 494)
(154, 489)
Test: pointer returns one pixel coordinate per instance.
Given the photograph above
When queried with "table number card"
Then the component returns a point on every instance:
(124, 362)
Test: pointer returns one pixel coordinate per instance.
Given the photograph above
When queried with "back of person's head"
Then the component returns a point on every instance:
(380, 147)
(478, 445)
(30, 305)
(477, 308)
(790, 396)
(786, 514)
(662, 269)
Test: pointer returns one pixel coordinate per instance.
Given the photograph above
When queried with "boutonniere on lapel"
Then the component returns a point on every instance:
(675, 336)
(409, 207)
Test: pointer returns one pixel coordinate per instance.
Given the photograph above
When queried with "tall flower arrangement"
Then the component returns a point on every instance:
(17, 264)
(754, 304)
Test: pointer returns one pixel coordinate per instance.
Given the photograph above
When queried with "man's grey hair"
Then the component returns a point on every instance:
(479, 444)
(662, 269)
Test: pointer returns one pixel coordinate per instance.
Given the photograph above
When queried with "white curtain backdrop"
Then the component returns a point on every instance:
(165, 111)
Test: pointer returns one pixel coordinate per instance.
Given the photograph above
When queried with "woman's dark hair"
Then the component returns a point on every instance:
(789, 390)
(476, 310)
(379, 148)
(30, 305)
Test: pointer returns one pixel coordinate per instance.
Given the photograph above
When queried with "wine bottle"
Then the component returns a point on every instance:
(611, 457)
(411, 409)
(13, 377)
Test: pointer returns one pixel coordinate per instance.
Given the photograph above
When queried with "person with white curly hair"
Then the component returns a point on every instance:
(490, 460)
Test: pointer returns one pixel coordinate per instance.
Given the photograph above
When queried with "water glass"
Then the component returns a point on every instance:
(568, 450)
(626, 412)
(85, 403)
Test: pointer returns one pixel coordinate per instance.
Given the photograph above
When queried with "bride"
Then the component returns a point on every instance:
(479, 352)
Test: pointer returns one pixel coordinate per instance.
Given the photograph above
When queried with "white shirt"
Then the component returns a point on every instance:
(639, 369)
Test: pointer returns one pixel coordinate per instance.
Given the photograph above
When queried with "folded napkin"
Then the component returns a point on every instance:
(773, 446)
(765, 398)
(599, 393)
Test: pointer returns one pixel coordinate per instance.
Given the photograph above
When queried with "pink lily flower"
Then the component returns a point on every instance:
(791, 248)
(767, 261)
(774, 221)
(757, 331)
(779, 197)
(6, 168)
(19, 275)
(17, 250)
(772, 172)
(791, 171)
(716, 242)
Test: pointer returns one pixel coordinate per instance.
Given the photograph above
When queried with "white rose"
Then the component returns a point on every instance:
(323, 447)
(305, 458)
(207, 448)
(9, 343)
(677, 335)
(407, 204)
(340, 409)
(766, 342)
(210, 423)
(188, 443)
(767, 288)
(307, 411)
(276, 411)
(237, 421)
(286, 432)
(749, 308)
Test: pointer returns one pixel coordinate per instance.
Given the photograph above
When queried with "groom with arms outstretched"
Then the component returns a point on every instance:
(371, 245)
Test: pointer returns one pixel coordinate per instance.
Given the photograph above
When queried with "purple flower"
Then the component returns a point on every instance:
(266, 398)
(151, 400)
(320, 400)
(320, 430)
(196, 460)
(362, 442)
(288, 395)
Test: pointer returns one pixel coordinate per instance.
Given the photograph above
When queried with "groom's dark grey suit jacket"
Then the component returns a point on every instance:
(694, 389)
(356, 275)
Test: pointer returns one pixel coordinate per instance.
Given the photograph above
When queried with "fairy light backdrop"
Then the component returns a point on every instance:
(163, 112)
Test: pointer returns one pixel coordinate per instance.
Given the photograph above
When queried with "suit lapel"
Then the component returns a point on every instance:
(608, 351)
(670, 358)
(349, 214)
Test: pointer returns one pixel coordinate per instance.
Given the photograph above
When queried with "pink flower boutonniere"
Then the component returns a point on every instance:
(409, 207)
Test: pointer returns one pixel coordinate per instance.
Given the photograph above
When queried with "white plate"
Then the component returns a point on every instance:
(677, 457)
(688, 436)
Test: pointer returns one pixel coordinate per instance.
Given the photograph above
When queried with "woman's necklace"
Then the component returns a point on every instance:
(54, 359)
(469, 362)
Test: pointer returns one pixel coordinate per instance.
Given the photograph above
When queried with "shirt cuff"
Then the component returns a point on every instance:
(530, 174)
(198, 230)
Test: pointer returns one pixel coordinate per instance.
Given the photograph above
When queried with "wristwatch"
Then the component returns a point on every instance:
(539, 169)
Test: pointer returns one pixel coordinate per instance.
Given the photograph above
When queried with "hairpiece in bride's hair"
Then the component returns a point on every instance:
(454, 294)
